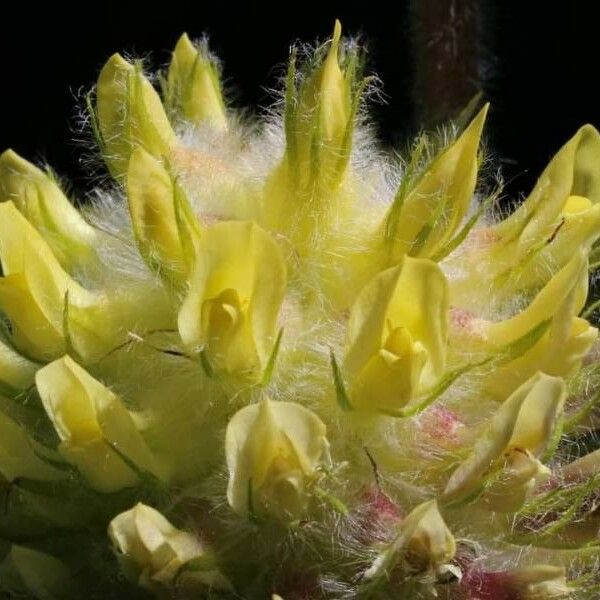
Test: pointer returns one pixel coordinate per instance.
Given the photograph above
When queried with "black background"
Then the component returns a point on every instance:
(541, 70)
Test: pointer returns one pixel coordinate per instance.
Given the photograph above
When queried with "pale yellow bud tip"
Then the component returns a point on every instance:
(576, 204)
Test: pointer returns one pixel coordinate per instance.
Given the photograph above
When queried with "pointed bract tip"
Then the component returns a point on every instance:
(337, 33)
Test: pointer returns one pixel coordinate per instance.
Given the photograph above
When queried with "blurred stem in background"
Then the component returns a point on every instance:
(447, 45)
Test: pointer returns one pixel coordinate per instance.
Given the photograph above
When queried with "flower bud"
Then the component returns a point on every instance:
(35, 290)
(423, 542)
(96, 431)
(19, 454)
(321, 115)
(559, 217)
(129, 113)
(273, 450)
(236, 290)
(301, 195)
(28, 573)
(570, 184)
(16, 372)
(397, 335)
(450, 180)
(165, 230)
(568, 338)
(505, 460)
(41, 201)
(157, 555)
(194, 87)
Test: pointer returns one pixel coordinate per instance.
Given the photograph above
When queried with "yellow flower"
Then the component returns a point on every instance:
(236, 289)
(396, 339)
(152, 552)
(561, 348)
(165, 229)
(194, 89)
(273, 450)
(34, 291)
(560, 216)
(16, 372)
(39, 198)
(449, 182)
(129, 113)
(570, 185)
(94, 427)
(423, 542)
(19, 454)
(505, 460)
(28, 573)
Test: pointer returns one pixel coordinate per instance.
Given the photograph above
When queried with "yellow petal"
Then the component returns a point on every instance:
(575, 230)
(16, 371)
(526, 421)
(431, 541)
(152, 551)
(450, 179)
(576, 205)
(562, 348)
(235, 293)
(32, 331)
(39, 198)
(561, 216)
(572, 172)
(151, 194)
(18, 458)
(194, 88)
(90, 422)
(423, 542)
(522, 472)
(129, 114)
(273, 449)
(33, 288)
(330, 92)
(396, 338)
(33, 292)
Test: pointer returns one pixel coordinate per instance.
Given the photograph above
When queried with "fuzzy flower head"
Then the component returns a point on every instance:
(273, 358)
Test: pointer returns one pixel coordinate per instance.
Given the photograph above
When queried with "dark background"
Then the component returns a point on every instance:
(540, 66)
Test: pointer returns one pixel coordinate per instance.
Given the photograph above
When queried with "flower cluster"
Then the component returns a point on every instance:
(273, 361)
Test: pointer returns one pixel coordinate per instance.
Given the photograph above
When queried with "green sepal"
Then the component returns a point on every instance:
(341, 393)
